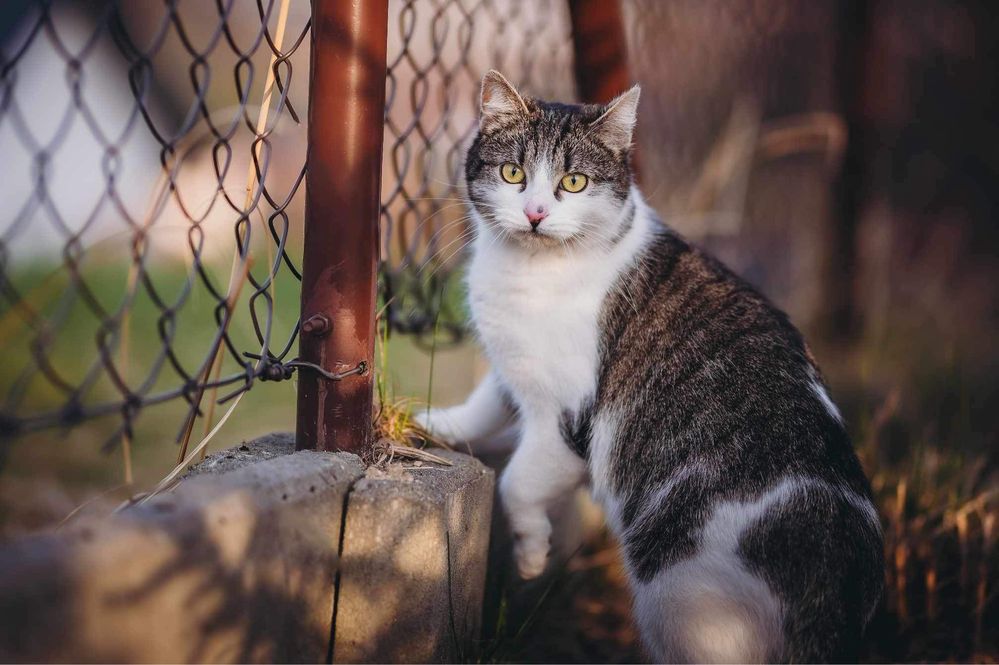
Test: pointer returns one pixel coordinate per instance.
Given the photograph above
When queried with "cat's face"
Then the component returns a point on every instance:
(549, 175)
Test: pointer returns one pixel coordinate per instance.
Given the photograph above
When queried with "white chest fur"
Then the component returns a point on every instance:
(538, 315)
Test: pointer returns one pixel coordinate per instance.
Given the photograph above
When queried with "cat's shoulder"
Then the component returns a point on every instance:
(675, 277)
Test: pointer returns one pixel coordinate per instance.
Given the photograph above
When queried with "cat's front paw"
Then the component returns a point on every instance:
(531, 555)
(531, 533)
(438, 423)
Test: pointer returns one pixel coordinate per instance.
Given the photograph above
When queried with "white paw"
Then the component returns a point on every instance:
(422, 418)
(436, 422)
(531, 555)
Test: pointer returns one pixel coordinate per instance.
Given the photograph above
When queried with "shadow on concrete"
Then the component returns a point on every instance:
(234, 568)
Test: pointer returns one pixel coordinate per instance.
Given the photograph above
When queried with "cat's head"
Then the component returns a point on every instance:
(543, 174)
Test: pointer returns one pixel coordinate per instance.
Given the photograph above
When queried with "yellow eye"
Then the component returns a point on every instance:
(574, 182)
(512, 173)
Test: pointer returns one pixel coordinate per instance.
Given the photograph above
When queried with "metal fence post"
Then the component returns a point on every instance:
(343, 187)
(600, 50)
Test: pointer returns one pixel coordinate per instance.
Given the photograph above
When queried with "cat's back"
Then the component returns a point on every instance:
(734, 487)
(680, 312)
(697, 361)
(710, 393)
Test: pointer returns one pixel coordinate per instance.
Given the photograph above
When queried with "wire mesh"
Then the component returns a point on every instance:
(437, 54)
(153, 169)
(154, 181)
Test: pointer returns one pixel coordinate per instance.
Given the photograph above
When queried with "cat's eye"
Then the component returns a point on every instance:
(512, 173)
(574, 182)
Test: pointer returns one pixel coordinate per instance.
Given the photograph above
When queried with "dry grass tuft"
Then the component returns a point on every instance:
(940, 510)
(397, 433)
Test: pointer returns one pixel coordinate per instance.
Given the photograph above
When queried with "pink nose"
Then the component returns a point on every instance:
(535, 213)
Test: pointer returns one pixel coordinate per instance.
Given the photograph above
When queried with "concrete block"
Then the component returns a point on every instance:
(240, 564)
(413, 563)
(260, 449)
(236, 567)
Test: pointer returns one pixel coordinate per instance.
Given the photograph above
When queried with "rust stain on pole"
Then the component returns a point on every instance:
(343, 194)
(601, 54)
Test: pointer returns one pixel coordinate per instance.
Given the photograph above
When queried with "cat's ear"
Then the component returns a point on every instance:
(501, 103)
(614, 128)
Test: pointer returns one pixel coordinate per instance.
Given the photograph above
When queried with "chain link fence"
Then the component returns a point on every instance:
(151, 241)
(155, 182)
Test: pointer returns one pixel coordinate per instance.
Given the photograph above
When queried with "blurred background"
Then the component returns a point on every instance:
(843, 156)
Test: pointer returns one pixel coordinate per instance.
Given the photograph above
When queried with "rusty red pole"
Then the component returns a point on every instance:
(601, 53)
(343, 188)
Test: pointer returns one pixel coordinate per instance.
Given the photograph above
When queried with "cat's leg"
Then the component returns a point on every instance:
(542, 471)
(486, 411)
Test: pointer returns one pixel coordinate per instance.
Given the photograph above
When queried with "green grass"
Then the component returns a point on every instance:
(72, 461)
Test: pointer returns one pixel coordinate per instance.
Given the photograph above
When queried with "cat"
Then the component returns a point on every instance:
(635, 362)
